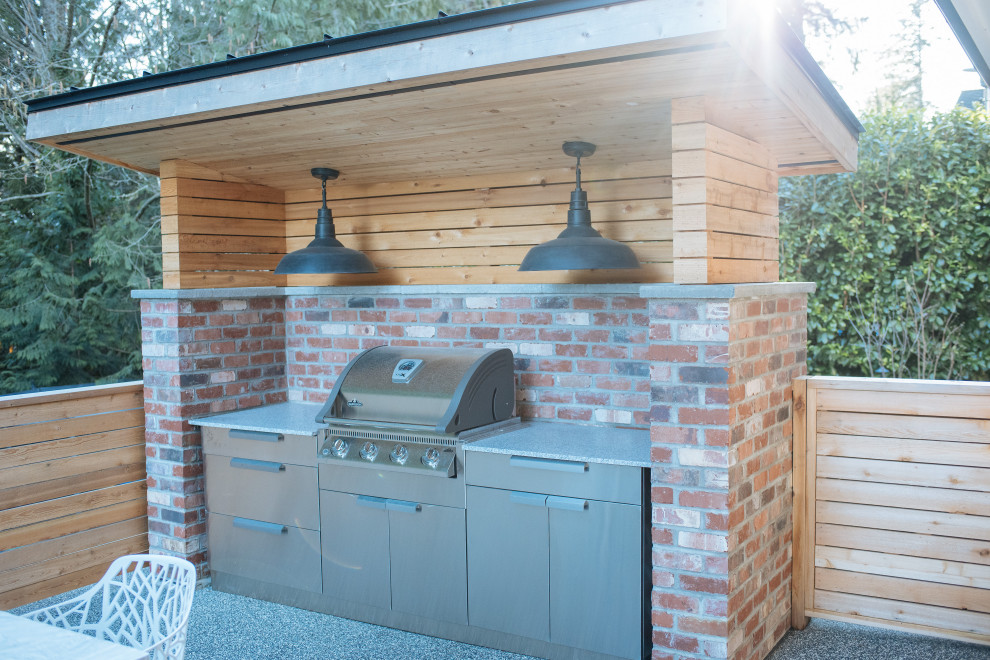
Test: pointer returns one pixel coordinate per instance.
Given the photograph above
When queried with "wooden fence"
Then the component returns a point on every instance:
(892, 505)
(72, 488)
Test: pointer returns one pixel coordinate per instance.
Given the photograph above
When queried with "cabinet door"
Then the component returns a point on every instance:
(596, 576)
(428, 560)
(354, 534)
(508, 550)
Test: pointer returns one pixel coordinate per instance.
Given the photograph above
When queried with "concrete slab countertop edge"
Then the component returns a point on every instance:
(571, 442)
(292, 418)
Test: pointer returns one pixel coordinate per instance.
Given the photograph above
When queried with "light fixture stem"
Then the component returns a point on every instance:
(324, 192)
(578, 171)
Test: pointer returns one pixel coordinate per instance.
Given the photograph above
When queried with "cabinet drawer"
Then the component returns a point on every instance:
(295, 449)
(263, 490)
(593, 481)
(280, 554)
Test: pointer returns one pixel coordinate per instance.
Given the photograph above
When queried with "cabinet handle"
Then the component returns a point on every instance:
(566, 503)
(529, 499)
(251, 464)
(403, 506)
(241, 434)
(259, 526)
(371, 502)
(554, 464)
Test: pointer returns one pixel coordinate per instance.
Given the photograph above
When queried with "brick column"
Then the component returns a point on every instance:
(722, 361)
(200, 356)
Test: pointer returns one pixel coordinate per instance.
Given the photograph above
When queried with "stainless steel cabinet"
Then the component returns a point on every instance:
(395, 554)
(508, 570)
(564, 569)
(262, 498)
(354, 529)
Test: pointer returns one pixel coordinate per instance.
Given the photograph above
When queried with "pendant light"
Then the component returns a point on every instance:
(324, 254)
(579, 246)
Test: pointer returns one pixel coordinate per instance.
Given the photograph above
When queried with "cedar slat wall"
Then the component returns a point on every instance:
(458, 230)
(892, 504)
(73, 492)
(218, 232)
(724, 201)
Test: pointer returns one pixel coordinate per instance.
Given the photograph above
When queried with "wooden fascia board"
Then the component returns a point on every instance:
(750, 34)
(621, 29)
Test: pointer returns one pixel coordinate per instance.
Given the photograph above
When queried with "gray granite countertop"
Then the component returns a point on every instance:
(574, 442)
(292, 418)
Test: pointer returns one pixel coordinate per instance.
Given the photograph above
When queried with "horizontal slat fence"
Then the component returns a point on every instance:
(73, 492)
(892, 504)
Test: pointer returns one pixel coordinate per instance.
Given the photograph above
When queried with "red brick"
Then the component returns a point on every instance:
(673, 353)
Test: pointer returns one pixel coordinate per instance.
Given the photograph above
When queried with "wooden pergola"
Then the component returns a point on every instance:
(448, 137)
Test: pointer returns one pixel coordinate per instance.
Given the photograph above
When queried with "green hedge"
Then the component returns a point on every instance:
(900, 250)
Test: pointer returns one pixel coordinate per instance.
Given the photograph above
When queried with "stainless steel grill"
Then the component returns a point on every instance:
(408, 409)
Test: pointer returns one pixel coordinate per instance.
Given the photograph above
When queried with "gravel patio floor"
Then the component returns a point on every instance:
(228, 627)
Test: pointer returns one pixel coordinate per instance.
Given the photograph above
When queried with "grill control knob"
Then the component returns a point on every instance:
(399, 454)
(431, 458)
(340, 447)
(369, 451)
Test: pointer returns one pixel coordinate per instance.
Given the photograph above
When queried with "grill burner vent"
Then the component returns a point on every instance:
(393, 437)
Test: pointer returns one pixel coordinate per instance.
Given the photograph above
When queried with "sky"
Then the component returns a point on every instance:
(944, 62)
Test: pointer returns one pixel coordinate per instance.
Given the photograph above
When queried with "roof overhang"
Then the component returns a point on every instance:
(491, 91)
(970, 22)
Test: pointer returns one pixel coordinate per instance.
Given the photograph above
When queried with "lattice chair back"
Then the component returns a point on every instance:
(142, 601)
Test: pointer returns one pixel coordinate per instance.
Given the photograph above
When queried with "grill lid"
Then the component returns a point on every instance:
(445, 389)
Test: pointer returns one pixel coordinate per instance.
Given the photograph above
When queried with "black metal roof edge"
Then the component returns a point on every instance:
(389, 36)
(965, 39)
(796, 49)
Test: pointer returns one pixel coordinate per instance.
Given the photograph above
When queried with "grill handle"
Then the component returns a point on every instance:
(259, 526)
(529, 499)
(371, 502)
(553, 464)
(261, 466)
(566, 503)
(262, 436)
(403, 506)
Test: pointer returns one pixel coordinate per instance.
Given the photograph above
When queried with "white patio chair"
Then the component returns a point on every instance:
(142, 601)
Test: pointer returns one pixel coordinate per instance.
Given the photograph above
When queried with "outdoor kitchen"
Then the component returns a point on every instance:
(474, 429)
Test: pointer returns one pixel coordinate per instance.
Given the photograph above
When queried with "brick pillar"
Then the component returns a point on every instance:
(722, 361)
(200, 356)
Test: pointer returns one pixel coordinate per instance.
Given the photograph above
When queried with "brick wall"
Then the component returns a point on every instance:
(580, 357)
(200, 357)
(721, 371)
(706, 368)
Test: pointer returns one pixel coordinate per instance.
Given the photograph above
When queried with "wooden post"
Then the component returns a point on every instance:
(801, 552)
(724, 201)
(218, 231)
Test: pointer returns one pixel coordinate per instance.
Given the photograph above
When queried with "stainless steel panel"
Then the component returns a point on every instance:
(595, 481)
(508, 571)
(237, 487)
(596, 577)
(294, 449)
(355, 548)
(278, 554)
(392, 484)
(428, 560)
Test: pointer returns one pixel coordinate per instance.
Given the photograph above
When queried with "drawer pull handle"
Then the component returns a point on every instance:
(403, 506)
(371, 502)
(251, 464)
(529, 499)
(554, 464)
(259, 526)
(262, 436)
(566, 503)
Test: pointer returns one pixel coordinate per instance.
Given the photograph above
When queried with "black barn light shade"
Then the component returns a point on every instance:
(324, 254)
(579, 246)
